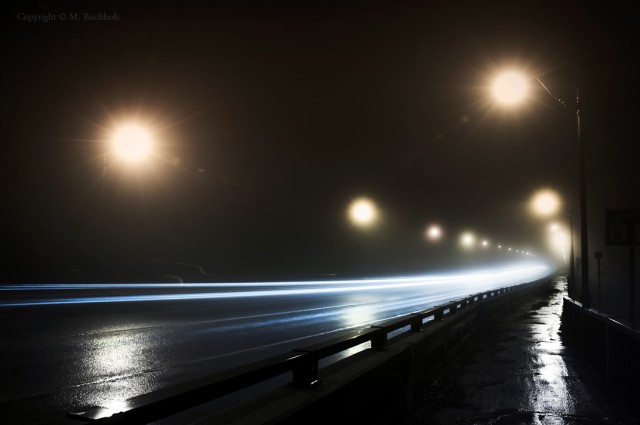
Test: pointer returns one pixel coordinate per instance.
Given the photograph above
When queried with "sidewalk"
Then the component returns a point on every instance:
(518, 371)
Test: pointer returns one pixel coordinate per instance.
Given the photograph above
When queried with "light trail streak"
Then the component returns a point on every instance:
(488, 279)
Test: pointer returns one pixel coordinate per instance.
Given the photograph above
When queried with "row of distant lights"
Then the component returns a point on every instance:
(364, 213)
(467, 240)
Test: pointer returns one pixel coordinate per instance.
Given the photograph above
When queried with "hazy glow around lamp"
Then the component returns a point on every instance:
(131, 142)
(509, 88)
(363, 212)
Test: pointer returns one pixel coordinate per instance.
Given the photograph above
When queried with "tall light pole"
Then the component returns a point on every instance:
(510, 88)
(584, 235)
(584, 245)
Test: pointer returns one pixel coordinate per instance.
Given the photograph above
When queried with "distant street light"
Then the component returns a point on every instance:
(545, 203)
(434, 232)
(363, 212)
(560, 239)
(509, 89)
(467, 239)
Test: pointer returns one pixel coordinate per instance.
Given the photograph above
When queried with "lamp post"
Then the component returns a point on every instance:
(584, 247)
(510, 88)
(585, 297)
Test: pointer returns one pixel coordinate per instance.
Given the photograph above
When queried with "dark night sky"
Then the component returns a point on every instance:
(271, 119)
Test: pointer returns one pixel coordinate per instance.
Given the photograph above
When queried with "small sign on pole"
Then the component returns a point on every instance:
(622, 227)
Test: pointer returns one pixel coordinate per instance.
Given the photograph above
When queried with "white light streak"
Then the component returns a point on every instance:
(472, 280)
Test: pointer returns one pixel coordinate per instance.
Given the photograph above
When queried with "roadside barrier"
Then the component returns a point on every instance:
(610, 347)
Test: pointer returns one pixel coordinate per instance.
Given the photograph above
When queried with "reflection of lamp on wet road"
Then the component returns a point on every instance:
(510, 88)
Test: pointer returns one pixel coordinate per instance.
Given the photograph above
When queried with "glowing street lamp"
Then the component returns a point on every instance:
(131, 142)
(510, 88)
(467, 239)
(554, 227)
(545, 203)
(363, 212)
(560, 239)
(434, 232)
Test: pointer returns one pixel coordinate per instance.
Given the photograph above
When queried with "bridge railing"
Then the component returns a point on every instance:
(609, 346)
(302, 363)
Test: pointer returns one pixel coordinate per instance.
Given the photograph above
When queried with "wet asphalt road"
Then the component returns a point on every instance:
(64, 349)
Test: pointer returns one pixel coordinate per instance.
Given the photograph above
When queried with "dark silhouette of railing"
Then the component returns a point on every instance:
(609, 346)
(303, 363)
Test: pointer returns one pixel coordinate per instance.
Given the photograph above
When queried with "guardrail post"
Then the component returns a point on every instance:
(438, 314)
(416, 324)
(379, 340)
(305, 374)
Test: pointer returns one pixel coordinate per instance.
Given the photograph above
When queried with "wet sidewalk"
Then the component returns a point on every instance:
(519, 371)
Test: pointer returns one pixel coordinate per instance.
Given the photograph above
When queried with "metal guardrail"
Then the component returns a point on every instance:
(609, 346)
(302, 362)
